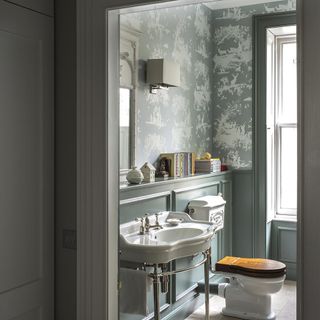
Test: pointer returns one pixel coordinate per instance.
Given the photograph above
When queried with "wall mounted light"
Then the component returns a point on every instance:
(162, 74)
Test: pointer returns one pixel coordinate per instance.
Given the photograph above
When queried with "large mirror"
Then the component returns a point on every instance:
(128, 80)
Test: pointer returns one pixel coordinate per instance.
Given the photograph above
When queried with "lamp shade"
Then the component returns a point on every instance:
(163, 72)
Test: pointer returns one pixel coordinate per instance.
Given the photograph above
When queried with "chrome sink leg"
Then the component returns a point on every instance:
(206, 284)
(156, 294)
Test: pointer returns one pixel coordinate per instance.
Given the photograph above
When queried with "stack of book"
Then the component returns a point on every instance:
(180, 164)
(208, 166)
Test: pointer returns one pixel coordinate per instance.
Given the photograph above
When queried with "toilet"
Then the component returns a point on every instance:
(251, 281)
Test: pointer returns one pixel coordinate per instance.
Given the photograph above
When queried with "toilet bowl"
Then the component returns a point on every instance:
(251, 284)
(251, 281)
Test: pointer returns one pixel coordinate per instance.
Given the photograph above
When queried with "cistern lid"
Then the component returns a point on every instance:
(207, 201)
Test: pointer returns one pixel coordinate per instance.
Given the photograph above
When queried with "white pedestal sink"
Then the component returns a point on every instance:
(158, 247)
(162, 246)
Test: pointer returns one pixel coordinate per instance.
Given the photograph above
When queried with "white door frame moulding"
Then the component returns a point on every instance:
(97, 155)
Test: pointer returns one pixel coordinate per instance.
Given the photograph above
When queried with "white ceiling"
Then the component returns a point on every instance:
(223, 4)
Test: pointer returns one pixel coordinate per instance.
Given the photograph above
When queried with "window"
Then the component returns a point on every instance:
(281, 122)
(124, 117)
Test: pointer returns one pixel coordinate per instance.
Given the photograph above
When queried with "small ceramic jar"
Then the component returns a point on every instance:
(135, 176)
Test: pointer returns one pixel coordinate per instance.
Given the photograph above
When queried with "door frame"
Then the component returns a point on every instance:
(97, 156)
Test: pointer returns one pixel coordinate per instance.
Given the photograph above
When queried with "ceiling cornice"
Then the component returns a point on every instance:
(224, 4)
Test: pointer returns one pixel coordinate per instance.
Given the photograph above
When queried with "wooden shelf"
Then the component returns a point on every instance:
(159, 181)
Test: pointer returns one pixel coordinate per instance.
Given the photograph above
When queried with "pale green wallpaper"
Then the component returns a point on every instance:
(232, 85)
(179, 119)
(212, 110)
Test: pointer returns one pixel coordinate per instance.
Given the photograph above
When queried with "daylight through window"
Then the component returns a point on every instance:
(281, 121)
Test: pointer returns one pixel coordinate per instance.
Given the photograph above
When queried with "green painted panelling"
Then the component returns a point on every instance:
(242, 213)
(137, 200)
(137, 208)
(284, 245)
(186, 280)
(226, 190)
(215, 254)
(182, 197)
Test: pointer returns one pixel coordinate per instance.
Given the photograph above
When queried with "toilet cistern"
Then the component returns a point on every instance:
(208, 208)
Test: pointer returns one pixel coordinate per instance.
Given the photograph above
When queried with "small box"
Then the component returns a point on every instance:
(208, 166)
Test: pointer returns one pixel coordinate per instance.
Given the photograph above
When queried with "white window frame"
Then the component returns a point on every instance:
(278, 125)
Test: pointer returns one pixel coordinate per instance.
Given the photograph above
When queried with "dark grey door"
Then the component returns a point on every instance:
(26, 164)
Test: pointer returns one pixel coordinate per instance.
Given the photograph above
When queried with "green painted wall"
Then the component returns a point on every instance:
(175, 194)
(284, 245)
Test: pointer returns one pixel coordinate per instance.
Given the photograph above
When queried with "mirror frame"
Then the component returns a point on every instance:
(130, 39)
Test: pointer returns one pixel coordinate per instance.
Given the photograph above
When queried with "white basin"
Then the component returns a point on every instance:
(172, 242)
(176, 234)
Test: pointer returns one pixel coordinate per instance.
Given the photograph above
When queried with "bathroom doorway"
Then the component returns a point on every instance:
(236, 88)
(113, 33)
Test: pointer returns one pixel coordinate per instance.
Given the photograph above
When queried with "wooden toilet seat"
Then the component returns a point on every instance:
(252, 267)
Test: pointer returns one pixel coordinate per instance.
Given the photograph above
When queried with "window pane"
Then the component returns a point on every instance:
(124, 116)
(288, 168)
(289, 83)
(270, 78)
(124, 107)
(270, 174)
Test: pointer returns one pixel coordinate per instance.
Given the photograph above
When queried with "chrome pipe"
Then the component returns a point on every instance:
(170, 273)
(207, 285)
(156, 294)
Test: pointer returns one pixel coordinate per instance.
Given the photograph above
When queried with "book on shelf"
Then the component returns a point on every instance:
(182, 164)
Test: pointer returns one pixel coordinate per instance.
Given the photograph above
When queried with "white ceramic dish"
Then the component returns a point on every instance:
(174, 221)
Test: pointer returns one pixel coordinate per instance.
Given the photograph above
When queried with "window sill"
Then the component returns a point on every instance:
(285, 218)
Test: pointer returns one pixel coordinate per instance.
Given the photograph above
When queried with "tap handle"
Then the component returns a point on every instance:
(140, 219)
(142, 226)
(157, 218)
(146, 218)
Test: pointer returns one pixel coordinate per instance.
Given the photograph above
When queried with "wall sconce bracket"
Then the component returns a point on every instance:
(154, 88)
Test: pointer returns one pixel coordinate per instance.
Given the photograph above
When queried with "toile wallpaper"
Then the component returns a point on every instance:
(232, 87)
(212, 109)
(179, 119)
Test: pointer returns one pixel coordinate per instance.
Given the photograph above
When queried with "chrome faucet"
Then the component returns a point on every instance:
(142, 226)
(156, 226)
(145, 224)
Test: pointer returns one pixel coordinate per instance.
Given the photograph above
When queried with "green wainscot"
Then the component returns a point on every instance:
(174, 195)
